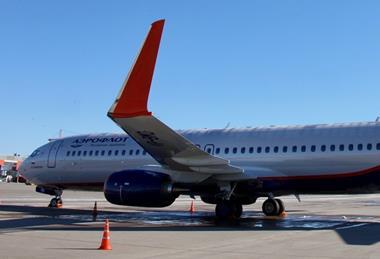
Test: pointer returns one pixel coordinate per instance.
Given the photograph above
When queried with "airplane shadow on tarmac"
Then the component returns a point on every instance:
(353, 230)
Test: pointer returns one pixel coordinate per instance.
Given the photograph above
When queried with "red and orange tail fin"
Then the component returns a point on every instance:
(133, 97)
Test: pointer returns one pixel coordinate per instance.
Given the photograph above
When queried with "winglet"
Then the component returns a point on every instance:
(133, 96)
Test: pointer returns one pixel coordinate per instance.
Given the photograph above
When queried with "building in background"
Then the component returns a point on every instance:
(9, 165)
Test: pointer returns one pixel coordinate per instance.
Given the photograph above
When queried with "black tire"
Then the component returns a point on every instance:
(271, 207)
(223, 210)
(238, 210)
(228, 210)
(282, 207)
(53, 203)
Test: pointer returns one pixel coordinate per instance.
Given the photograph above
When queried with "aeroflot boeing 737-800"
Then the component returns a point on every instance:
(152, 164)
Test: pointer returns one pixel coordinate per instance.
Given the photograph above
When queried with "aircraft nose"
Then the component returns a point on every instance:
(23, 167)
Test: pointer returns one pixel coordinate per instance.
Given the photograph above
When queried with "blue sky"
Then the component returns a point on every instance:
(247, 63)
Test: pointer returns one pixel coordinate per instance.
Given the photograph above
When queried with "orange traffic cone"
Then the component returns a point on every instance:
(106, 241)
(192, 207)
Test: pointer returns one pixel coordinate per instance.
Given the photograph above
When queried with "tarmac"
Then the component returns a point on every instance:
(318, 227)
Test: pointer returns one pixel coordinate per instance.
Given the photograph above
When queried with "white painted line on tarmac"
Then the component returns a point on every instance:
(353, 226)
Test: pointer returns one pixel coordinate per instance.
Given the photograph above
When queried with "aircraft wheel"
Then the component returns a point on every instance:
(281, 206)
(271, 207)
(228, 209)
(238, 209)
(55, 202)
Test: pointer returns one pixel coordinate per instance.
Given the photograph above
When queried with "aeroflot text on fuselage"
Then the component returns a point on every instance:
(81, 141)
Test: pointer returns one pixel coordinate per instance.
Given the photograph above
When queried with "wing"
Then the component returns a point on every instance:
(130, 112)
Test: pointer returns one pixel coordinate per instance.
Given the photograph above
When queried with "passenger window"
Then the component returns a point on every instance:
(369, 146)
(267, 149)
(360, 147)
(234, 150)
(294, 149)
(73, 154)
(144, 153)
(96, 152)
(109, 152)
(259, 150)
(332, 148)
(323, 148)
(116, 152)
(103, 152)
(303, 149)
(341, 147)
(217, 150)
(313, 148)
(378, 146)
(137, 152)
(131, 152)
(251, 150)
(242, 150)
(275, 149)
(90, 153)
(84, 153)
(350, 147)
(68, 153)
(79, 152)
(123, 153)
(226, 150)
(284, 149)
(208, 150)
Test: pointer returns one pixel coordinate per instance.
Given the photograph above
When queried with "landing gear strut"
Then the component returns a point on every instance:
(228, 209)
(273, 207)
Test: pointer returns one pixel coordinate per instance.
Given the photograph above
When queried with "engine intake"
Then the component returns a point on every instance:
(139, 188)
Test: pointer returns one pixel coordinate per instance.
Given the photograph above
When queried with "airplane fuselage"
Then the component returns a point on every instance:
(338, 158)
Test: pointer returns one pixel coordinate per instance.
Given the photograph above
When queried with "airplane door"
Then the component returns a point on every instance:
(52, 156)
(209, 148)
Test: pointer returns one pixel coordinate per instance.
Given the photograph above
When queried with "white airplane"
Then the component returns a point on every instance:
(152, 165)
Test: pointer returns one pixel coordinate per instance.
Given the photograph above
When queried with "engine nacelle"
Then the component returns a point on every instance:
(139, 188)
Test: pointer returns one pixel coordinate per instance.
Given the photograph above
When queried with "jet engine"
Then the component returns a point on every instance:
(139, 188)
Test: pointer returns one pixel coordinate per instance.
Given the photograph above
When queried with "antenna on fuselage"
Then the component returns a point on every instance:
(60, 135)
(228, 125)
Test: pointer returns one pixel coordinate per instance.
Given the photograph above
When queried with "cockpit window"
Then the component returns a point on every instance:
(35, 153)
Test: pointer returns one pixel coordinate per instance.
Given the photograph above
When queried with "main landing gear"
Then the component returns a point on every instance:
(273, 207)
(228, 209)
(233, 209)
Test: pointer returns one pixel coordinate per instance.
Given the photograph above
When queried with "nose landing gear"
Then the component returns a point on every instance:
(55, 202)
